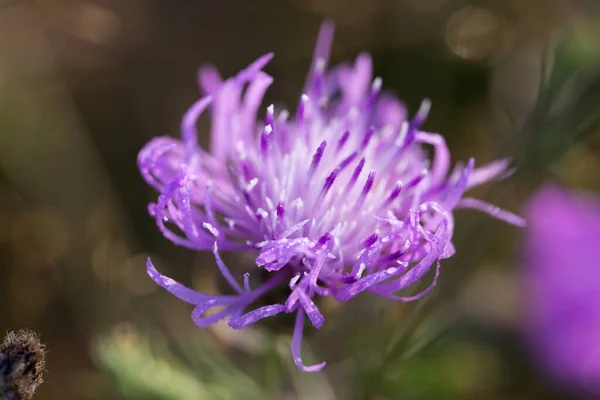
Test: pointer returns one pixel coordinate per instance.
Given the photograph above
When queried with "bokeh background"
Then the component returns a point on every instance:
(85, 84)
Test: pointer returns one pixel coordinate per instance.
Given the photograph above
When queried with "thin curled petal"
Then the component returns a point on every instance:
(311, 310)
(177, 239)
(441, 161)
(254, 96)
(495, 170)
(389, 112)
(205, 322)
(492, 210)
(223, 111)
(178, 290)
(255, 315)
(365, 283)
(225, 271)
(188, 123)
(355, 81)
(174, 206)
(184, 203)
(247, 282)
(417, 296)
(154, 161)
(457, 190)
(321, 52)
(209, 79)
(296, 345)
(253, 69)
(436, 251)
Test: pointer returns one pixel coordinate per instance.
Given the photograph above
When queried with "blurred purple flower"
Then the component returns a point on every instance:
(338, 199)
(562, 282)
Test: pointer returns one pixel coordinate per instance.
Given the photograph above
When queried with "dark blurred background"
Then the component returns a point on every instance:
(85, 84)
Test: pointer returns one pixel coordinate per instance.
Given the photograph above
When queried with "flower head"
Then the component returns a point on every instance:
(335, 199)
(562, 282)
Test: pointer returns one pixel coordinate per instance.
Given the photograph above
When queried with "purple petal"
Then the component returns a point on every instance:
(253, 69)
(255, 315)
(253, 99)
(184, 204)
(178, 290)
(200, 244)
(441, 161)
(492, 210)
(417, 296)
(154, 161)
(321, 53)
(225, 271)
(224, 109)
(188, 125)
(247, 282)
(296, 346)
(494, 170)
(355, 81)
(389, 111)
(205, 322)
(456, 191)
(209, 79)
(363, 284)
(313, 313)
(438, 244)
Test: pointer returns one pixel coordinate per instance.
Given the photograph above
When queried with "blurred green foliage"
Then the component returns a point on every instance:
(139, 368)
(568, 106)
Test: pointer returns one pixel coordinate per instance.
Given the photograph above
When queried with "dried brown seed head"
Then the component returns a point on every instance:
(22, 362)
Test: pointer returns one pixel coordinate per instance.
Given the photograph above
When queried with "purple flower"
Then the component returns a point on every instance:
(334, 200)
(562, 283)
